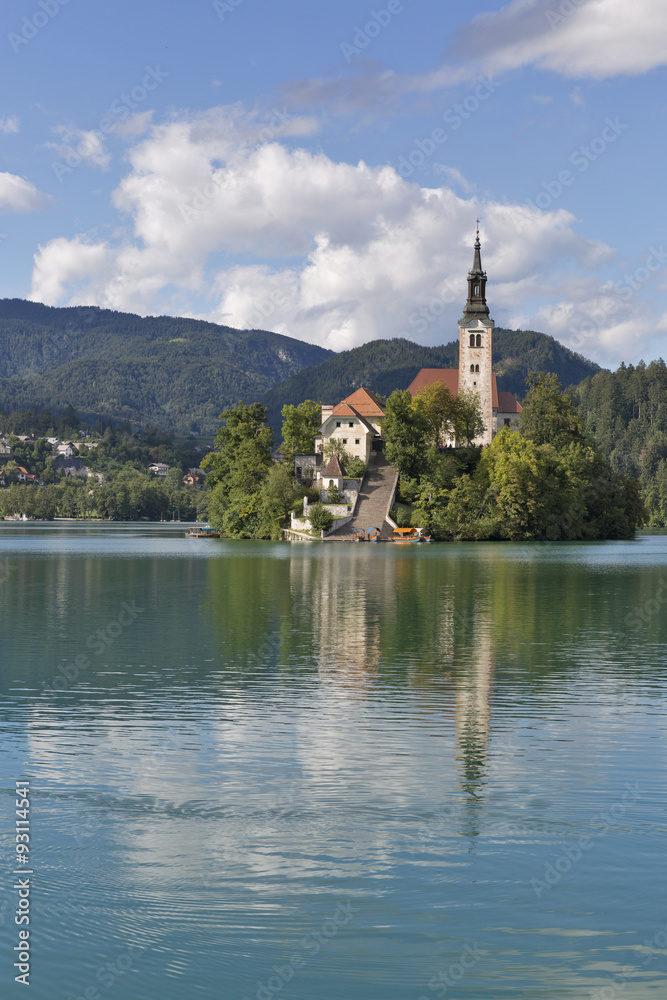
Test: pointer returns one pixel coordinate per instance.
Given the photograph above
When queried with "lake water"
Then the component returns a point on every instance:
(313, 772)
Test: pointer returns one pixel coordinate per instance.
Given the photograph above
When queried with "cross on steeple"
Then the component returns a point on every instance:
(478, 227)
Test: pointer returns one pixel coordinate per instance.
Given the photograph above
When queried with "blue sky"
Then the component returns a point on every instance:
(318, 169)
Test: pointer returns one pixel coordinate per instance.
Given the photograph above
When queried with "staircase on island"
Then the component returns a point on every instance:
(377, 492)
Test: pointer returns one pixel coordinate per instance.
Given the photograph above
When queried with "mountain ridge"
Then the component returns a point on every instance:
(179, 373)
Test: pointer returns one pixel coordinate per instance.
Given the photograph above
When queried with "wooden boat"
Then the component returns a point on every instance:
(207, 532)
(404, 535)
(359, 535)
(374, 534)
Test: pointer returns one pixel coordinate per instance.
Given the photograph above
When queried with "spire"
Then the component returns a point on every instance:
(476, 307)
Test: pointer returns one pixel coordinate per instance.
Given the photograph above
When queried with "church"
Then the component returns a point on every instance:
(475, 372)
(357, 420)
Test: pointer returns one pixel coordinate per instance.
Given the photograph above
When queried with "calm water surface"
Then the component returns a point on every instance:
(310, 772)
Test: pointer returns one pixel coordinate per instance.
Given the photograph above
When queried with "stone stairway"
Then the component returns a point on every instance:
(376, 492)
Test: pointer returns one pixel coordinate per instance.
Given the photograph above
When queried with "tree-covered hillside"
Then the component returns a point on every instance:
(177, 373)
(626, 412)
(516, 353)
(386, 365)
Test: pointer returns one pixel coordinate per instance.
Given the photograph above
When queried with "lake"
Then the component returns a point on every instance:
(316, 771)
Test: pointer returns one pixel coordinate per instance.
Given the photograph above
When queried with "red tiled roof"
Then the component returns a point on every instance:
(366, 403)
(333, 468)
(343, 410)
(450, 378)
(508, 404)
(429, 376)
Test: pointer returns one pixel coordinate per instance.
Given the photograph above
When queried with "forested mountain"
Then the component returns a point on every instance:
(518, 352)
(626, 412)
(179, 374)
(385, 365)
(175, 373)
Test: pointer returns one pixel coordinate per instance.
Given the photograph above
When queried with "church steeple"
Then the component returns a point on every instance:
(476, 346)
(476, 307)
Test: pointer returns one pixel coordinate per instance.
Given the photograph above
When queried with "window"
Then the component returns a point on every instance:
(479, 340)
(357, 440)
(472, 339)
(338, 423)
(476, 289)
(507, 422)
(351, 423)
(344, 440)
(472, 368)
(477, 368)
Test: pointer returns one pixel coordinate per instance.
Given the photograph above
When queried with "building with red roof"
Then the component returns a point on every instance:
(356, 422)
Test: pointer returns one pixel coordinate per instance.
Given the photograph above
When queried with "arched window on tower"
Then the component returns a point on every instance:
(472, 339)
(472, 368)
(477, 368)
(476, 289)
(479, 340)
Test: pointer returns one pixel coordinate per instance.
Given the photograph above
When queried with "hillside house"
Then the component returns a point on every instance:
(159, 468)
(356, 422)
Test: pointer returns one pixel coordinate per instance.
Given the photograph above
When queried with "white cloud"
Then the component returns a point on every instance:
(8, 125)
(133, 125)
(63, 264)
(78, 145)
(19, 195)
(581, 38)
(339, 254)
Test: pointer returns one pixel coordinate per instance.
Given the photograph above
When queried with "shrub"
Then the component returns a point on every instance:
(335, 495)
(320, 518)
(355, 468)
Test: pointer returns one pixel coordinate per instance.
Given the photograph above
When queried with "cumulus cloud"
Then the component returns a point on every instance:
(332, 253)
(576, 38)
(19, 195)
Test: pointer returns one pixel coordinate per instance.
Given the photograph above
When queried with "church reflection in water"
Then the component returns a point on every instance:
(383, 617)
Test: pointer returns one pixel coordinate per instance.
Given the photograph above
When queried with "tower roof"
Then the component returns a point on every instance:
(476, 307)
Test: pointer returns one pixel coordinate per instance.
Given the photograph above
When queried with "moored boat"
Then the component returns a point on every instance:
(402, 535)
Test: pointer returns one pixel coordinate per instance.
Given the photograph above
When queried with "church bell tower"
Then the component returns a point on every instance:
(475, 345)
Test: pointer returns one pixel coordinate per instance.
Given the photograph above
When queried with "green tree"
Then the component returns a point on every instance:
(320, 518)
(301, 425)
(468, 420)
(548, 415)
(440, 410)
(407, 431)
(237, 469)
(335, 495)
(335, 446)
